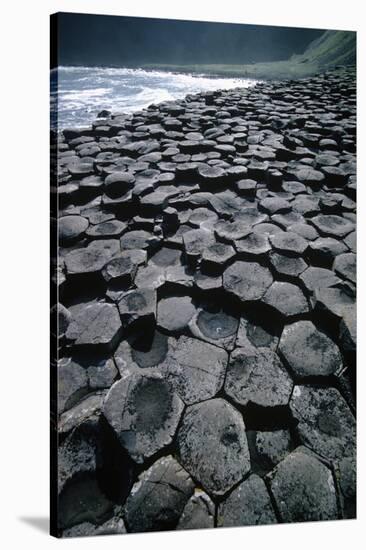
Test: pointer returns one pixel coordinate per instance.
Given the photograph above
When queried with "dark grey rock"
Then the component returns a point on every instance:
(123, 269)
(158, 498)
(330, 225)
(325, 423)
(272, 447)
(246, 187)
(118, 183)
(323, 250)
(287, 266)
(138, 305)
(248, 504)
(253, 335)
(102, 375)
(144, 413)
(289, 243)
(215, 257)
(195, 242)
(217, 327)
(309, 352)
(254, 245)
(211, 177)
(274, 205)
(138, 239)
(146, 349)
(175, 313)
(213, 446)
(250, 216)
(345, 266)
(83, 501)
(315, 278)
(87, 408)
(113, 526)
(247, 281)
(303, 489)
(198, 513)
(286, 299)
(71, 228)
(305, 230)
(166, 257)
(111, 228)
(192, 379)
(230, 232)
(256, 375)
(150, 276)
(346, 474)
(92, 258)
(310, 177)
(72, 384)
(96, 325)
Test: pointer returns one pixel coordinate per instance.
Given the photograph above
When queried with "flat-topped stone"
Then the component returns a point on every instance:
(248, 281)
(256, 375)
(212, 445)
(309, 352)
(325, 422)
(144, 413)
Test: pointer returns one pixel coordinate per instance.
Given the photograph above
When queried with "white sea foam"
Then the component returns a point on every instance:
(82, 92)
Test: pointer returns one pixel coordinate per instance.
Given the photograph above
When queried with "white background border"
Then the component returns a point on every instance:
(24, 35)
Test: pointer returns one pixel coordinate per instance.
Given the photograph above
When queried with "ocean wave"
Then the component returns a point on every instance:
(84, 91)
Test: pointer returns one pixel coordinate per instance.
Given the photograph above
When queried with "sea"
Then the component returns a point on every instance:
(80, 93)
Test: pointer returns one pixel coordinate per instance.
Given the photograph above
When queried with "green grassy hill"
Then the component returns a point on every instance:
(331, 49)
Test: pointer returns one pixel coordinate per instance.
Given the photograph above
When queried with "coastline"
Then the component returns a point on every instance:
(219, 228)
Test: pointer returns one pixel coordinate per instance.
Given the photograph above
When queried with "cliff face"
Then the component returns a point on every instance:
(329, 50)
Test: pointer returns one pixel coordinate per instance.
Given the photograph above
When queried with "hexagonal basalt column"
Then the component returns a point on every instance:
(309, 352)
(257, 376)
(303, 488)
(158, 497)
(248, 504)
(196, 369)
(144, 413)
(213, 446)
(248, 281)
(325, 422)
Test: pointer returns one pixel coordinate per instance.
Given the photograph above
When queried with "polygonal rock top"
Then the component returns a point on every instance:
(303, 488)
(144, 413)
(248, 504)
(213, 446)
(158, 497)
(286, 298)
(196, 369)
(256, 375)
(325, 422)
(309, 352)
(248, 281)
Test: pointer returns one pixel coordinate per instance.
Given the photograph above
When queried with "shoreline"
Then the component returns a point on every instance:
(219, 229)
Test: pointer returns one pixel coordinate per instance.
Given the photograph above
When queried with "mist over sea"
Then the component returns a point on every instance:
(82, 92)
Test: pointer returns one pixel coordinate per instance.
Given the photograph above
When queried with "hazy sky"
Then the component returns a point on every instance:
(112, 40)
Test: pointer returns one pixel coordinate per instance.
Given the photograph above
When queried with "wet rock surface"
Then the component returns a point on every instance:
(207, 319)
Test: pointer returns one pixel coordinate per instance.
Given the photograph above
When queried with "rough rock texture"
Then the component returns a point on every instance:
(248, 504)
(257, 376)
(325, 422)
(199, 512)
(207, 264)
(309, 352)
(303, 488)
(196, 369)
(213, 446)
(159, 497)
(144, 413)
(248, 281)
